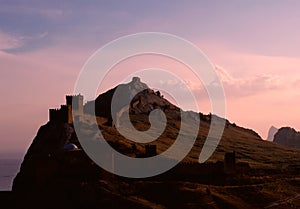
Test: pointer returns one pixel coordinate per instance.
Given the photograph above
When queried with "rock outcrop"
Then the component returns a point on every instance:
(288, 137)
(136, 94)
(272, 131)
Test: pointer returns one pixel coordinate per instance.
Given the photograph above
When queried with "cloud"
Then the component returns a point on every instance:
(8, 41)
(48, 11)
(12, 43)
(233, 86)
(248, 86)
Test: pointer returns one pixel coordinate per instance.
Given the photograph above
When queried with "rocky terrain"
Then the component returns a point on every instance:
(260, 174)
(272, 131)
(287, 136)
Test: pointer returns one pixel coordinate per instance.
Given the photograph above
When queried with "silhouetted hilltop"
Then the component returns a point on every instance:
(143, 102)
(288, 136)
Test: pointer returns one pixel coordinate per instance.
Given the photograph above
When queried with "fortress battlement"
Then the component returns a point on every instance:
(74, 105)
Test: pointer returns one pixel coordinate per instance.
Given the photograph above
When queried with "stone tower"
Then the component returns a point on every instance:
(75, 106)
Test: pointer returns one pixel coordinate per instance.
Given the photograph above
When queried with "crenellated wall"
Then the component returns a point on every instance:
(74, 104)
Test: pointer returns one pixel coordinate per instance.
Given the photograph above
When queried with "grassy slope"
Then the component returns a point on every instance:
(247, 144)
(259, 190)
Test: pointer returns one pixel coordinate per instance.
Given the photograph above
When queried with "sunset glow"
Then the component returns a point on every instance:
(254, 47)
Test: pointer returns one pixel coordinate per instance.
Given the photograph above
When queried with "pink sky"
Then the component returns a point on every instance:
(257, 58)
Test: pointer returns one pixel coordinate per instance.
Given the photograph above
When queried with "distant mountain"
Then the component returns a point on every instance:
(272, 131)
(288, 136)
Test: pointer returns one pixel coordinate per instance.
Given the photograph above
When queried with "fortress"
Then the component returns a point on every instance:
(74, 105)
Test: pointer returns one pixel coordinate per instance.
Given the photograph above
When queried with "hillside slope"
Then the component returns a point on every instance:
(270, 173)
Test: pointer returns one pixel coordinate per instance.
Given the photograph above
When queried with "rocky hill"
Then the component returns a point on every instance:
(54, 177)
(287, 136)
(272, 131)
(141, 98)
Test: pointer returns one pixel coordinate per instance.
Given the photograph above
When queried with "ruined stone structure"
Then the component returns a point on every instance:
(74, 104)
(59, 114)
